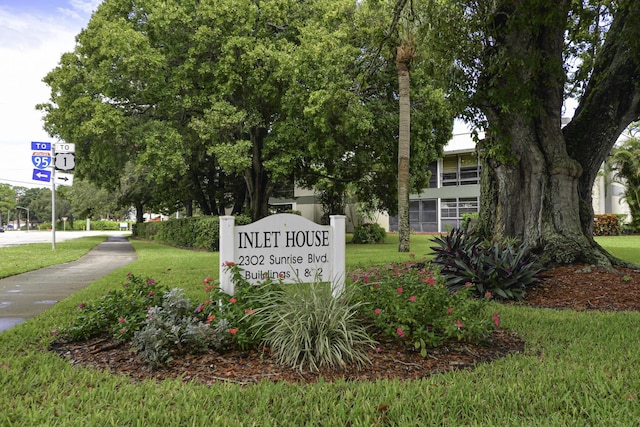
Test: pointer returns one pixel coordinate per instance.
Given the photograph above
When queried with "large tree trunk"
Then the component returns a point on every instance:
(537, 177)
(259, 186)
(139, 212)
(534, 196)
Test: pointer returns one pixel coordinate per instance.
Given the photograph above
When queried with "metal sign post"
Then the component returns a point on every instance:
(53, 200)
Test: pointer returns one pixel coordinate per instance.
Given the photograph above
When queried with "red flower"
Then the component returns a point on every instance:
(400, 290)
(400, 332)
(496, 319)
(431, 281)
(233, 331)
(150, 294)
(365, 279)
(412, 255)
(450, 310)
(206, 280)
(210, 318)
(249, 311)
(412, 298)
(377, 311)
(233, 300)
(209, 288)
(459, 323)
(151, 282)
(81, 305)
(228, 264)
(488, 295)
(121, 320)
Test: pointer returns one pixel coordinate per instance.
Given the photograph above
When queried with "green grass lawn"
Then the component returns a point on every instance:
(578, 369)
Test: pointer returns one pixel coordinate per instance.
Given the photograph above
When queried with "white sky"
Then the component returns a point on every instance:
(33, 36)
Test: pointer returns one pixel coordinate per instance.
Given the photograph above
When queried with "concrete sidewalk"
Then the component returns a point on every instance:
(28, 294)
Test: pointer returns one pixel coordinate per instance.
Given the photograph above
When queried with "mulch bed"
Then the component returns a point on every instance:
(576, 287)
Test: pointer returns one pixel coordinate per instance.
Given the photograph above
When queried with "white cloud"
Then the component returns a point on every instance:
(31, 45)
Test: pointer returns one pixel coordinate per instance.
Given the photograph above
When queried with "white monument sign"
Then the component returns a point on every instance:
(284, 247)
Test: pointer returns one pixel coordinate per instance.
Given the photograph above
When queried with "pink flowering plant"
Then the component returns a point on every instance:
(233, 313)
(120, 312)
(415, 306)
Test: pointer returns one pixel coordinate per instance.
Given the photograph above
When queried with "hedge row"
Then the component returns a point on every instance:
(606, 225)
(196, 232)
(81, 225)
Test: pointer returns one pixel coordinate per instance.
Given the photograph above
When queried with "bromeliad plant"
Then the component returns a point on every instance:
(503, 269)
(418, 309)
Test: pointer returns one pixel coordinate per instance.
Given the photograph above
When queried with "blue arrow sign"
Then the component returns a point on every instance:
(44, 146)
(41, 175)
(41, 162)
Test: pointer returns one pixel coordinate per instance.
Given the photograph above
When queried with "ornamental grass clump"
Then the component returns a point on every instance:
(119, 313)
(416, 308)
(305, 326)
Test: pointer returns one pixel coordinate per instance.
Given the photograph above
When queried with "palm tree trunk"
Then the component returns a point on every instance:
(404, 152)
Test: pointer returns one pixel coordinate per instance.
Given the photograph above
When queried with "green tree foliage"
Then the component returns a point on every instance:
(7, 202)
(89, 201)
(215, 102)
(625, 161)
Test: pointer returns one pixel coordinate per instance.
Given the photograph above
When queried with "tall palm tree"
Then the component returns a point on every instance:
(405, 55)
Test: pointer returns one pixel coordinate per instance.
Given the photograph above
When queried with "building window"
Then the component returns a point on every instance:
(460, 169)
(452, 210)
(281, 208)
(284, 189)
(423, 216)
(433, 178)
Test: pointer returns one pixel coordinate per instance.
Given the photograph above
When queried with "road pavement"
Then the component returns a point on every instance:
(12, 238)
(26, 295)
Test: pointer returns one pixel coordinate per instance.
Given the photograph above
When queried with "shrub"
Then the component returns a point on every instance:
(606, 225)
(195, 232)
(306, 326)
(501, 269)
(467, 219)
(234, 313)
(173, 329)
(419, 310)
(119, 312)
(369, 233)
